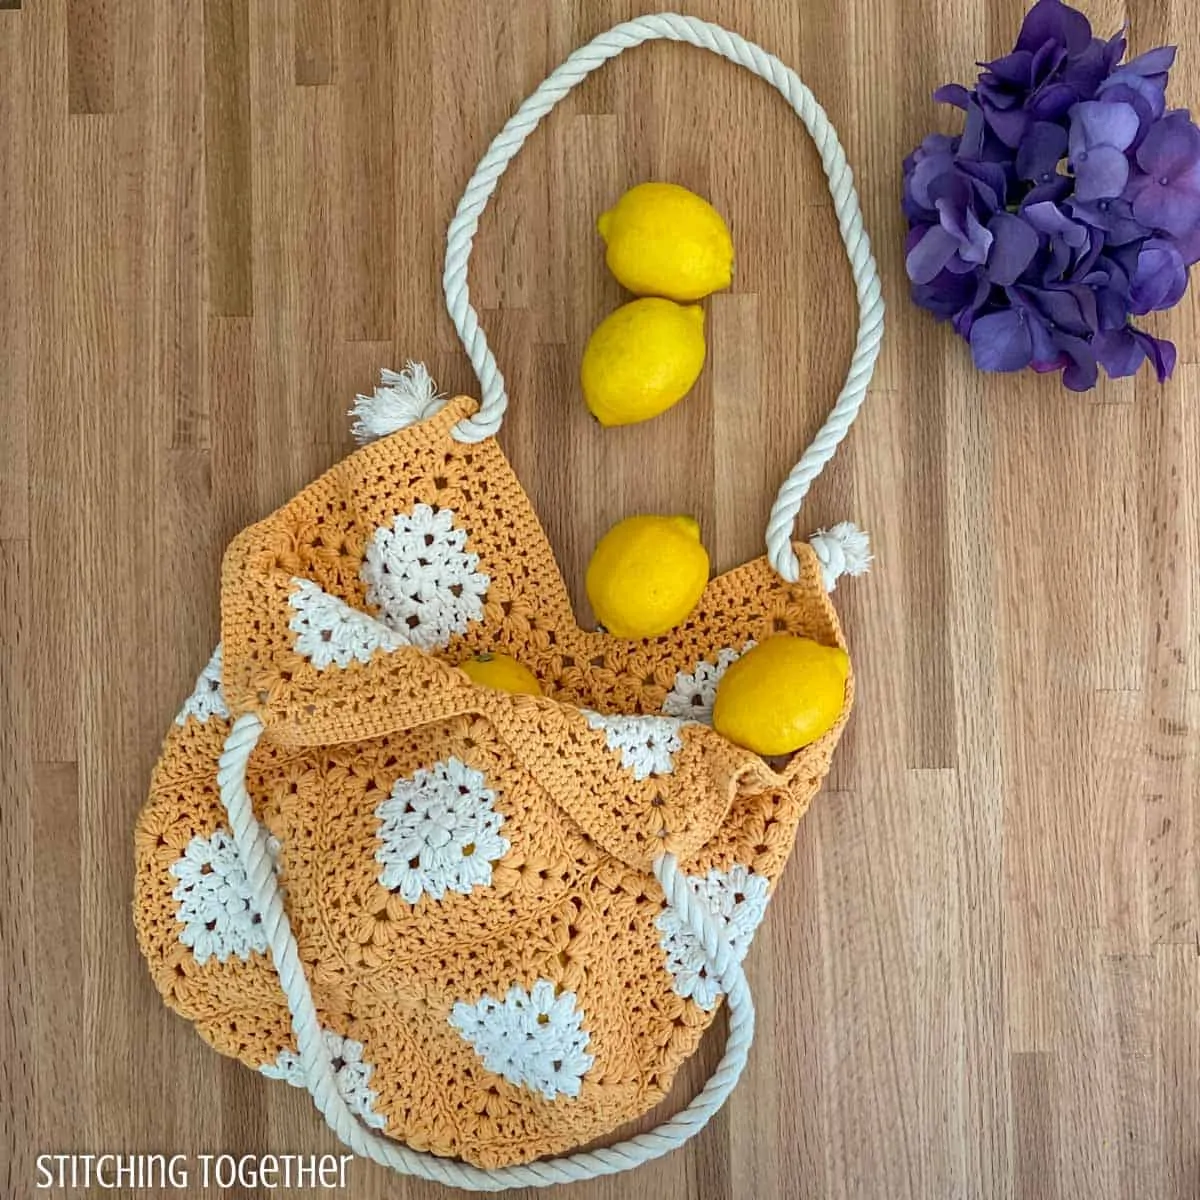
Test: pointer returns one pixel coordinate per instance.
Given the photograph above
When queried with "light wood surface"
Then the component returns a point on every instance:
(980, 977)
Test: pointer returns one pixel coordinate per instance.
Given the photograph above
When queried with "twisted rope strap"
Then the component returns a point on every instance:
(318, 1067)
(461, 235)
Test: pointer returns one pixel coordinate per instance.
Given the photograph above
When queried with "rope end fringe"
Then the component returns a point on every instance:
(403, 398)
(842, 550)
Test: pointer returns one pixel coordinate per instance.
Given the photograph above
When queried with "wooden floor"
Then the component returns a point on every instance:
(980, 977)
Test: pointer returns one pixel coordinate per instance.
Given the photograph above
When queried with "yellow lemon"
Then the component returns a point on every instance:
(641, 359)
(781, 695)
(501, 672)
(646, 574)
(666, 241)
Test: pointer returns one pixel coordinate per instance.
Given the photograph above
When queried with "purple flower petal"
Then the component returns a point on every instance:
(974, 240)
(1081, 373)
(1170, 148)
(1001, 342)
(1118, 352)
(1123, 94)
(1112, 307)
(1059, 262)
(1085, 72)
(1189, 246)
(1040, 151)
(1051, 102)
(1015, 68)
(930, 255)
(1112, 217)
(1049, 218)
(1100, 123)
(1062, 309)
(1159, 351)
(959, 266)
(1101, 173)
(953, 93)
(1046, 63)
(989, 181)
(948, 294)
(1153, 62)
(1150, 90)
(1046, 355)
(1085, 261)
(1009, 127)
(1053, 192)
(974, 134)
(1052, 21)
(930, 169)
(1161, 202)
(1160, 279)
(1014, 243)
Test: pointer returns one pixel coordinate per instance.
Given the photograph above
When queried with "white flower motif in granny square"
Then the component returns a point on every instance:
(350, 1073)
(647, 744)
(329, 632)
(738, 899)
(207, 698)
(215, 908)
(534, 1039)
(439, 832)
(422, 580)
(695, 692)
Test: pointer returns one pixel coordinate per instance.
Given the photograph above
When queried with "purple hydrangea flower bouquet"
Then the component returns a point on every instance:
(1069, 204)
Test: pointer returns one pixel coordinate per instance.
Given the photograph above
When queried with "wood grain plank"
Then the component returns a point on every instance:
(1127, 1048)
(737, 387)
(1178, 1021)
(315, 35)
(228, 187)
(1113, 540)
(1035, 1127)
(116, 745)
(20, 1128)
(230, 371)
(981, 788)
(15, 286)
(315, 390)
(59, 371)
(1171, 740)
(60, 1042)
(368, 47)
(91, 71)
(170, 133)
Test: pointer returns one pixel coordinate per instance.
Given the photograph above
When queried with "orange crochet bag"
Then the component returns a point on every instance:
(479, 928)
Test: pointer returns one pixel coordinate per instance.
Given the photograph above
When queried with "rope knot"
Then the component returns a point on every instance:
(843, 550)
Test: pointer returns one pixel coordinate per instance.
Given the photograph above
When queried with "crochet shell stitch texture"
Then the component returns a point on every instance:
(467, 872)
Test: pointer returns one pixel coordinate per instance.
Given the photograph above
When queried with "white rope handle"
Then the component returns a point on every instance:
(318, 1067)
(461, 236)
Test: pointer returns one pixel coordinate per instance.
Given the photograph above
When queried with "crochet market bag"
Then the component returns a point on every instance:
(480, 928)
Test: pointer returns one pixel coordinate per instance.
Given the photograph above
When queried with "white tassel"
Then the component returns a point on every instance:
(843, 550)
(403, 398)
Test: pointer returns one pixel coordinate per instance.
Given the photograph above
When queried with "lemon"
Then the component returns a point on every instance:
(781, 695)
(646, 574)
(501, 672)
(666, 241)
(641, 359)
